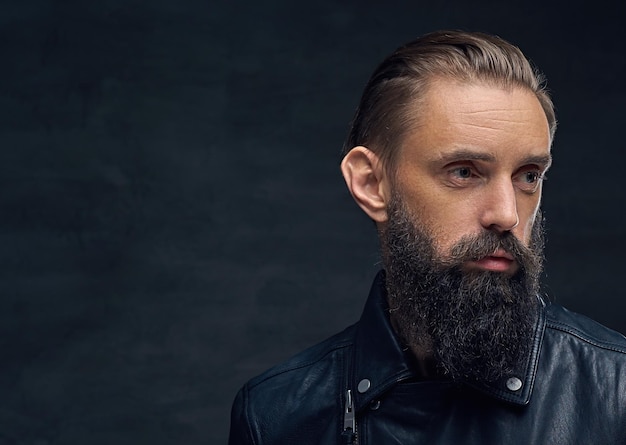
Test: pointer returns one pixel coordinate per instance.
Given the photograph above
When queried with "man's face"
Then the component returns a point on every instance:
(462, 248)
(473, 164)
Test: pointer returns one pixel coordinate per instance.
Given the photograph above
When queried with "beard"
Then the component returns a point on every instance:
(476, 325)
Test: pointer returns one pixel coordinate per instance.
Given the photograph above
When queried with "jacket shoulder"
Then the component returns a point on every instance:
(306, 358)
(274, 407)
(584, 329)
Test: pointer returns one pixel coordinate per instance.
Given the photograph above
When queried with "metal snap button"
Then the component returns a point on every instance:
(514, 384)
(364, 386)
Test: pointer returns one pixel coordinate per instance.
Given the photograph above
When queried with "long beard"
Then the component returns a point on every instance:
(477, 325)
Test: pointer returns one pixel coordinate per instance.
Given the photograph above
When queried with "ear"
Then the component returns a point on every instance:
(367, 182)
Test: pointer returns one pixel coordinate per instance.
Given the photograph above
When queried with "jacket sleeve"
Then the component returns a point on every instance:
(240, 432)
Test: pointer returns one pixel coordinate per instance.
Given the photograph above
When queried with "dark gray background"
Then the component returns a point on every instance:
(173, 217)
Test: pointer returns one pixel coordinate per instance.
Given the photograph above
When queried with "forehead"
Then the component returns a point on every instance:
(499, 121)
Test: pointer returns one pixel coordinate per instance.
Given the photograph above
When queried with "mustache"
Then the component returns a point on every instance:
(476, 247)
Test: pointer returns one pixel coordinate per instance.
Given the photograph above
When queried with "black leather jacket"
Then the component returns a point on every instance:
(358, 387)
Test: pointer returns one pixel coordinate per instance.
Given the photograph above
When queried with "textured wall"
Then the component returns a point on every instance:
(173, 218)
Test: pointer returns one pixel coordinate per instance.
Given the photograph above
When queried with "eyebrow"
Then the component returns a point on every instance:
(545, 161)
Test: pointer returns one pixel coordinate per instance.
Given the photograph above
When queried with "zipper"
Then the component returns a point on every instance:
(349, 434)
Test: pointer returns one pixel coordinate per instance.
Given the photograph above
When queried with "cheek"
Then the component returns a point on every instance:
(448, 231)
(523, 231)
(447, 220)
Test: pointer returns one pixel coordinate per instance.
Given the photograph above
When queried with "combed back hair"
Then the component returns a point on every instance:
(390, 104)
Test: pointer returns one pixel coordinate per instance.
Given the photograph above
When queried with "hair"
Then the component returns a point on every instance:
(401, 81)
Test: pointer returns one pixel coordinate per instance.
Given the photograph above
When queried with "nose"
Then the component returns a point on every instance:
(499, 212)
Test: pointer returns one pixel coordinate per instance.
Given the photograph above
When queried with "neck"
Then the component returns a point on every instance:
(425, 363)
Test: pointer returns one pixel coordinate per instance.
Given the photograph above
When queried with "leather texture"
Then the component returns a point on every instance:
(573, 391)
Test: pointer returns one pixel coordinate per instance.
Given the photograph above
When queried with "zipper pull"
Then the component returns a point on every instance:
(349, 421)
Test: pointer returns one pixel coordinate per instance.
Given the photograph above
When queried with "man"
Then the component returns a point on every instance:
(446, 154)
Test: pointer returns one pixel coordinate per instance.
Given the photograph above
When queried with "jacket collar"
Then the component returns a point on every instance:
(379, 361)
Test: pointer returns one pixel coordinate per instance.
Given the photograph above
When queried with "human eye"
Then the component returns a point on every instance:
(461, 172)
(529, 180)
(461, 175)
(531, 177)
